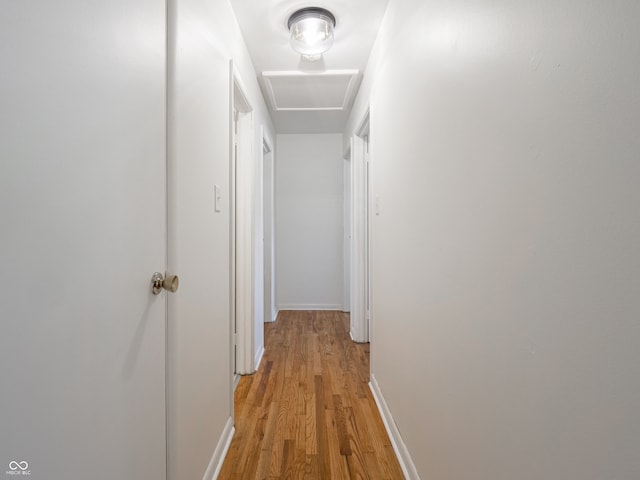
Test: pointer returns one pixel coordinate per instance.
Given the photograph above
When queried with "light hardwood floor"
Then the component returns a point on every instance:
(308, 412)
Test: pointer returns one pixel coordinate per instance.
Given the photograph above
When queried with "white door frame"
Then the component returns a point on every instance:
(360, 233)
(268, 182)
(346, 292)
(241, 230)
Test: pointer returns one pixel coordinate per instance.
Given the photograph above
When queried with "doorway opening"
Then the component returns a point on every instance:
(263, 245)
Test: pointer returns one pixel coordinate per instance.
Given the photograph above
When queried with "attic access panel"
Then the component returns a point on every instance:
(300, 91)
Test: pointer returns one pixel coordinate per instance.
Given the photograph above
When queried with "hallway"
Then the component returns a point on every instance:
(308, 411)
(461, 176)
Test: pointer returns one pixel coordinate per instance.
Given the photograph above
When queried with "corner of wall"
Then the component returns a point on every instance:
(217, 459)
(402, 452)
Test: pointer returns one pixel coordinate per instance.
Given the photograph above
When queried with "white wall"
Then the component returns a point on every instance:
(204, 36)
(309, 221)
(506, 293)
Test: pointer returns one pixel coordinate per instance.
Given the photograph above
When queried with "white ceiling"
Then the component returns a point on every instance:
(264, 27)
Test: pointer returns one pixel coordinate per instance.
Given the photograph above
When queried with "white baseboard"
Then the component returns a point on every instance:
(356, 341)
(213, 470)
(309, 307)
(259, 355)
(402, 452)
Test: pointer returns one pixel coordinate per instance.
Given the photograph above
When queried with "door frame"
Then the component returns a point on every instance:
(241, 229)
(346, 248)
(268, 217)
(360, 281)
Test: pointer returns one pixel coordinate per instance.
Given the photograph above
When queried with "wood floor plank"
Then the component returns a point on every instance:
(308, 412)
(311, 438)
(372, 467)
(357, 426)
(321, 429)
(338, 467)
(262, 387)
(341, 426)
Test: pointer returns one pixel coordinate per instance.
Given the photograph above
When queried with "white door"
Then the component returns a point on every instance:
(83, 228)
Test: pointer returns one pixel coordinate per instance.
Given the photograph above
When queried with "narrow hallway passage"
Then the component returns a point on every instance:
(308, 412)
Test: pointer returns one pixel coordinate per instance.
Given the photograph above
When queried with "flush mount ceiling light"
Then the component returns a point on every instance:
(311, 31)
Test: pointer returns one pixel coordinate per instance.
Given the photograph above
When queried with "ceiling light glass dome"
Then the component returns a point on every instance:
(311, 30)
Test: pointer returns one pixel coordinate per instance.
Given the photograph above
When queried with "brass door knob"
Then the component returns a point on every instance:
(170, 283)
